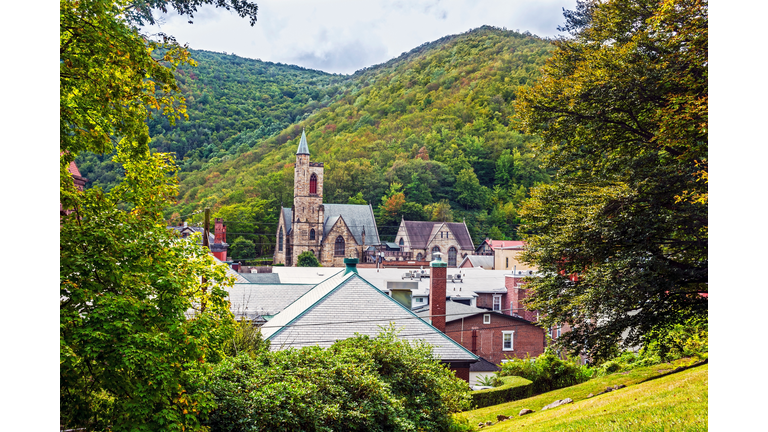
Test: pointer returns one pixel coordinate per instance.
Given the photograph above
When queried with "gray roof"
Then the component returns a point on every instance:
(255, 300)
(419, 233)
(485, 261)
(357, 217)
(238, 277)
(303, 147)
(483, 365)
(262, 278)
(345, 305)
(288, 216)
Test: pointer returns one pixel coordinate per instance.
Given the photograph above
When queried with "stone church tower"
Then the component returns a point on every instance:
(307, 208)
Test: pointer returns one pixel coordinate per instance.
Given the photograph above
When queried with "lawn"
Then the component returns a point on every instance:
(675, 402)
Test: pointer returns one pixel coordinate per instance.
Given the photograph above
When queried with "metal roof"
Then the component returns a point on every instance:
(345, 305)
(303, 147)
(253, 300)
(262, 278)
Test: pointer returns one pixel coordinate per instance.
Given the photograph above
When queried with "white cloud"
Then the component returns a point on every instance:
(342, 36)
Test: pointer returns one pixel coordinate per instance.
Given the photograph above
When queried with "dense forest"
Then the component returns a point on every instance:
(425, 136)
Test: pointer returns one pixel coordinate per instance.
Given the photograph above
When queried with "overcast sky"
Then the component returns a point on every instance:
(342, 36)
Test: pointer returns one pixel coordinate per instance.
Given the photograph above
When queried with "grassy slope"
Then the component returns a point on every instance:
(677, 402)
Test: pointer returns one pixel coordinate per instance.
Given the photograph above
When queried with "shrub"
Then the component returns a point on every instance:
(359, 384)
(513, 388)
(547, 371)
(307, 259)
(688, 338)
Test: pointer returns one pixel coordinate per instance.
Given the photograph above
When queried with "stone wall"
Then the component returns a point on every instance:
(351, 248)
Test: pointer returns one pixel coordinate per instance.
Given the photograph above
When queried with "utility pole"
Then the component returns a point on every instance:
(206, 244)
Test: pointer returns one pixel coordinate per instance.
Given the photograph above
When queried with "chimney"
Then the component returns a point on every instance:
(351, 264)
(437, 295)
(220, 231)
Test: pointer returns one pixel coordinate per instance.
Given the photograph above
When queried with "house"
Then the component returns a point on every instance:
(79, 181)
(477, 261)
(217, 241)
(330, 231)
(490, 334)
(505, 253)
(421, 240)
(344, 305)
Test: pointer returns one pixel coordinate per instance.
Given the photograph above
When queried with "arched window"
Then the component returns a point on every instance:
(419, 256)
(280, 240)
(339, 247)
(401, 242)
(313, 184)
(311, 234)
(435, 249)
(452, 256)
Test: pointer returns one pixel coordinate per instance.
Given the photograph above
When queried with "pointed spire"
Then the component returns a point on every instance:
(303, 147)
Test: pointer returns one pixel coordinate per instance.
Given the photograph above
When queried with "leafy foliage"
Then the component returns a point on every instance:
(621, 236)
(511, 388)
(307, 259)
(362, 383)
(547, 371)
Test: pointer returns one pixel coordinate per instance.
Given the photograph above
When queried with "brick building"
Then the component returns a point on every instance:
(330, 231)
(217, 240)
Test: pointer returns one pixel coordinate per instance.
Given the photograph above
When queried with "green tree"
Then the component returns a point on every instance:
(307, 259)
(470, 193)
(242, 249)
(357, 199)
(621, 238)
(136, 322)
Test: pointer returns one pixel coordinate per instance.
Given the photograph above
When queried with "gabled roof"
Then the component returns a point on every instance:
(303, 147)
(345, 305)
(483, 365)
(419, 233)
(484, 261)
(254, 300)
(358, 217)
(288, 217)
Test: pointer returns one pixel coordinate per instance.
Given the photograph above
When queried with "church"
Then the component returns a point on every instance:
(330, 231)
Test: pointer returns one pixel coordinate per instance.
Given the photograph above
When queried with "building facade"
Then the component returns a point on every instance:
(423, 239)
(331, 232)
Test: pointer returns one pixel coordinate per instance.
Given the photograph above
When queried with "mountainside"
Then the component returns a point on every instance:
(425, 136)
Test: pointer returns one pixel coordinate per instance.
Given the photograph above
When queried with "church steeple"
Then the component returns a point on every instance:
(303, 147)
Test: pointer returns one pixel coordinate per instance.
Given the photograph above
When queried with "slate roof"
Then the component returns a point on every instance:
(357, 217)
(346, 304)
(484, 261)
(288, 217)
(238, 277)
(254, 300)
(483, 365)
(262, 278)
(419, 233)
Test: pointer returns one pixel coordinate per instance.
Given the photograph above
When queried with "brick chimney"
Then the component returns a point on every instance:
(438, 270)
(220, 231)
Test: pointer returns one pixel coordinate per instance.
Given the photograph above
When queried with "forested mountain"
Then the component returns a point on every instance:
(424, 136)
(232, 103)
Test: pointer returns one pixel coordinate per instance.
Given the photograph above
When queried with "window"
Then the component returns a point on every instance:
(311, 234)
(435, 249)
(339, 248)
(497, 302)
(507, 262)
(507, 340)
(401, 242)
(419, 300)
(557, 332)
(486, 318)
(452, 256)
(280, 240)
(313, 184)
(419, 257)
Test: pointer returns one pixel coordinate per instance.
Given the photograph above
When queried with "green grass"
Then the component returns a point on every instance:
(676, 402)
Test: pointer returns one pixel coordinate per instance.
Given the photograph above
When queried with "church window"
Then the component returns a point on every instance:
(401, 241)
(452, 256)
(339, 247)
(313, 184)
(311, 234)
(435, 249)
(419, 257)
(280, 240)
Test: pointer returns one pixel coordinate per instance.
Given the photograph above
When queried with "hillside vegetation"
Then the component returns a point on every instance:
(425, 136)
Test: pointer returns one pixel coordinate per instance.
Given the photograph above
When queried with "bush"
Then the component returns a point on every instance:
(688, 338)
(512, 388)
(307, 259)
(547, 371)
(359, 384)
